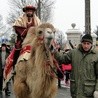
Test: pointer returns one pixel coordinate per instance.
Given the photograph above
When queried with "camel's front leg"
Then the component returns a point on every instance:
(21, 89)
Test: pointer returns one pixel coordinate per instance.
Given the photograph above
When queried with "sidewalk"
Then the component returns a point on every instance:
(64, 85)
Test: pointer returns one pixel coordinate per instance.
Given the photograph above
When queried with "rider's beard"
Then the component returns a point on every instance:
(29, 15)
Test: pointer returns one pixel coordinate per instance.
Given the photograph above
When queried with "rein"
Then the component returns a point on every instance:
(52, 68)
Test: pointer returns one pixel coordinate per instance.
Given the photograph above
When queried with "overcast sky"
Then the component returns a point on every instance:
(67, 12)
(4, 8)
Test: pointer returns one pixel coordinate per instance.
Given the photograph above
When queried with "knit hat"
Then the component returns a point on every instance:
(87, 38)
(3, 44)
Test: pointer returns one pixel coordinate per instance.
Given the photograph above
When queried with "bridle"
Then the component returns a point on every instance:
(56, 67)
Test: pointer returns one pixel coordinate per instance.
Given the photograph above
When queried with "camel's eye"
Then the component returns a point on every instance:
(40, 32)
(49, 32)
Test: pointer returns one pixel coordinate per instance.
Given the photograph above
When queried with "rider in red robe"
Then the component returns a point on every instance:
(21, 26)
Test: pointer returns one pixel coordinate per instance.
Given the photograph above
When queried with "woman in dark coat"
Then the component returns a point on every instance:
(4, 52)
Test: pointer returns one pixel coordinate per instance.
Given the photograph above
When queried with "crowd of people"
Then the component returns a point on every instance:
(82, 74)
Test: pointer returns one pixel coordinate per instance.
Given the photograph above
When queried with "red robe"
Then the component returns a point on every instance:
(12, 58)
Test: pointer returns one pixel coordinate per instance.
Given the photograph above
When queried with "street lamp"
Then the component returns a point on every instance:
(87, 17)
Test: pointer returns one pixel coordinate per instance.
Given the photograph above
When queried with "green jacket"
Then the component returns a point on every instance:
(84, 74)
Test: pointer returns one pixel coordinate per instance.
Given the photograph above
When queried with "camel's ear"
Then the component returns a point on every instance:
(39, 31)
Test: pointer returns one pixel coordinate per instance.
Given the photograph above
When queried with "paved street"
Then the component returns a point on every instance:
(63, 92)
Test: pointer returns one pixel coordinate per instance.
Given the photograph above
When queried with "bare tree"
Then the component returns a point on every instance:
(2, 27)
(44, 9)
(1, 23)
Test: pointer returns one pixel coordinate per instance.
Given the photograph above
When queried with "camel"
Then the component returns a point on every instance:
(36, 77)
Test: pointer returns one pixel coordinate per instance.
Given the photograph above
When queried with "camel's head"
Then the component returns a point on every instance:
(45, 34)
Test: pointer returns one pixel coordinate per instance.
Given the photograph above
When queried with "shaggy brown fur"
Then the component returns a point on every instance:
(33, 77)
